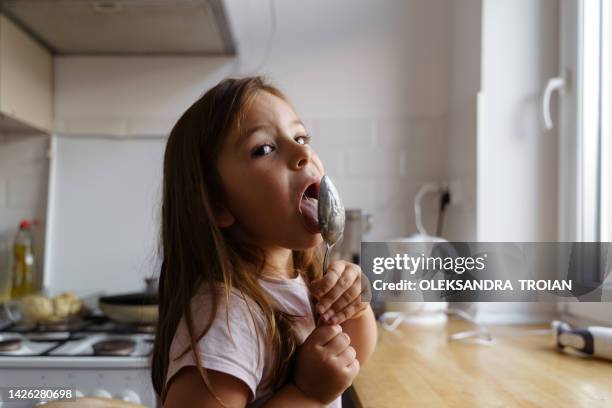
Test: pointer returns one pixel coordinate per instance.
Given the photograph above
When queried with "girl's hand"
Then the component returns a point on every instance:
(342, 292)
(325, 364)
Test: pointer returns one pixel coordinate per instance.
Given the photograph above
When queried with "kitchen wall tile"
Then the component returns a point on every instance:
(21, 150)
(394, 193)
(394, 133)
(3, 193)
(34, 170)
(356, 193)
(311, 127)
(384, 167)
(9, 221)
(387, 225)
(344, 132)
(25, 192)
(426, 153)
(365, 162)
(403, 164)
(333, 161)
(23, 176)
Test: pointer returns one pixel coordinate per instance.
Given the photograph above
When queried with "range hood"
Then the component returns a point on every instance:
(125, 27)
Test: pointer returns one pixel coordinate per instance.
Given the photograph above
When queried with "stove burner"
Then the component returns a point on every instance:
(116, 347)
(61, 325)
(10, 344)
(23, 327)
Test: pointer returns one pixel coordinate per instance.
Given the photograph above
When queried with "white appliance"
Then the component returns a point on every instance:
(61, 356)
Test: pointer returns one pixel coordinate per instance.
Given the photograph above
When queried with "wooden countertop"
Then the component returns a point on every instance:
(419, 367)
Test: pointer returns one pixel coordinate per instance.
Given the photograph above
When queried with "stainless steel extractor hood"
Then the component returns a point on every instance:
(125, 27)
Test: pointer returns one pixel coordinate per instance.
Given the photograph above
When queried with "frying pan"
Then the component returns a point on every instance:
(134, 308)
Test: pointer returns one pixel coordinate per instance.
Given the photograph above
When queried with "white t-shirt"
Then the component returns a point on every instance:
(241, 351)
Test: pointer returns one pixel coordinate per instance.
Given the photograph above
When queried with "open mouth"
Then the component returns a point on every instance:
(311, 192)
(308, 207)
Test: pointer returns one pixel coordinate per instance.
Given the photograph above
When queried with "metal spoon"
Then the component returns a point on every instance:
(331, 216)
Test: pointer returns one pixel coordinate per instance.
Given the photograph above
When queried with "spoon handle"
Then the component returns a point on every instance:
(326, 257)
(325, 260)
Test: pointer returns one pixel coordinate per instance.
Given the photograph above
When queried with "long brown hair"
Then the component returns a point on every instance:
(194, 249)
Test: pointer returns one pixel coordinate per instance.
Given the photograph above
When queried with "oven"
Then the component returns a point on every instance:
(92, 355)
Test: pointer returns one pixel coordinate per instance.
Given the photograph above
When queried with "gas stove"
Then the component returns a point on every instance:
(93, 355)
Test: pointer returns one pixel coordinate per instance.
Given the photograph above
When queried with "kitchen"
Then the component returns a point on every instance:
(403, 100)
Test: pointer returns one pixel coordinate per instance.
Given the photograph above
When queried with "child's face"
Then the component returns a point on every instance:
(264, 174)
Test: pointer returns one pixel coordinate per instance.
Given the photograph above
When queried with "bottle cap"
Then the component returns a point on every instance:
(24, 224)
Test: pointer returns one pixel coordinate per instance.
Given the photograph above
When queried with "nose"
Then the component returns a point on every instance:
(301, 157)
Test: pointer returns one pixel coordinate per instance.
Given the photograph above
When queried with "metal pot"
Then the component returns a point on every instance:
(357, 224)
(133, 308)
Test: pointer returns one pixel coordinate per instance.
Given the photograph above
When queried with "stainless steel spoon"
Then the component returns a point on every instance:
(331, 216)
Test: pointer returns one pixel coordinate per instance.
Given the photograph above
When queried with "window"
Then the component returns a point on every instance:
(585, 141)
(580, 135)
(606, 123)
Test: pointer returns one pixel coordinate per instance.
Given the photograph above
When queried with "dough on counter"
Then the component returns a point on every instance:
(67, 304)
(36, 308)
(40, 308)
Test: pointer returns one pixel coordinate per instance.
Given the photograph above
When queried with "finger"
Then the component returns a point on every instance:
(347, 356)
(348, 312)
(344, 282)
(366, 289)
(353, 368)
(323, 334)
(322, 285)
(345, 299)
(338, 344)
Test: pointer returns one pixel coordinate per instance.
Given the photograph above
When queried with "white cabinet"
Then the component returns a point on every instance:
(26, 81)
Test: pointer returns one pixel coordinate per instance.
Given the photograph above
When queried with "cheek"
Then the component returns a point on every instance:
(255, 196)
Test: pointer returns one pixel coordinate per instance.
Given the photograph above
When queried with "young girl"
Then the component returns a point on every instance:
(241, 258)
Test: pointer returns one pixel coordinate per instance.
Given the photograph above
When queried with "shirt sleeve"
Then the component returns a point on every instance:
(234, 344)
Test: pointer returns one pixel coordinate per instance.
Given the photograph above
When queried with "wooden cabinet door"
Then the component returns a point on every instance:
(26, 78)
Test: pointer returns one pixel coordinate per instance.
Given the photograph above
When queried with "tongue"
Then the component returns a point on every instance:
(308, 208)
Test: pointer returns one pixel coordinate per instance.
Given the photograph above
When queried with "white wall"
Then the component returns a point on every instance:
(462, 118)
(370, 78)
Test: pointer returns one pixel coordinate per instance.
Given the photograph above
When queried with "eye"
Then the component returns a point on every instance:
(262, 150)
(305, 139)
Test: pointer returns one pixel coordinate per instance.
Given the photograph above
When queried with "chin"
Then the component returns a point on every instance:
(311, 241)
(316, 241)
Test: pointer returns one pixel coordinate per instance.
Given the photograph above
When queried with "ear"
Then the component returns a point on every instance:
(223, 217)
